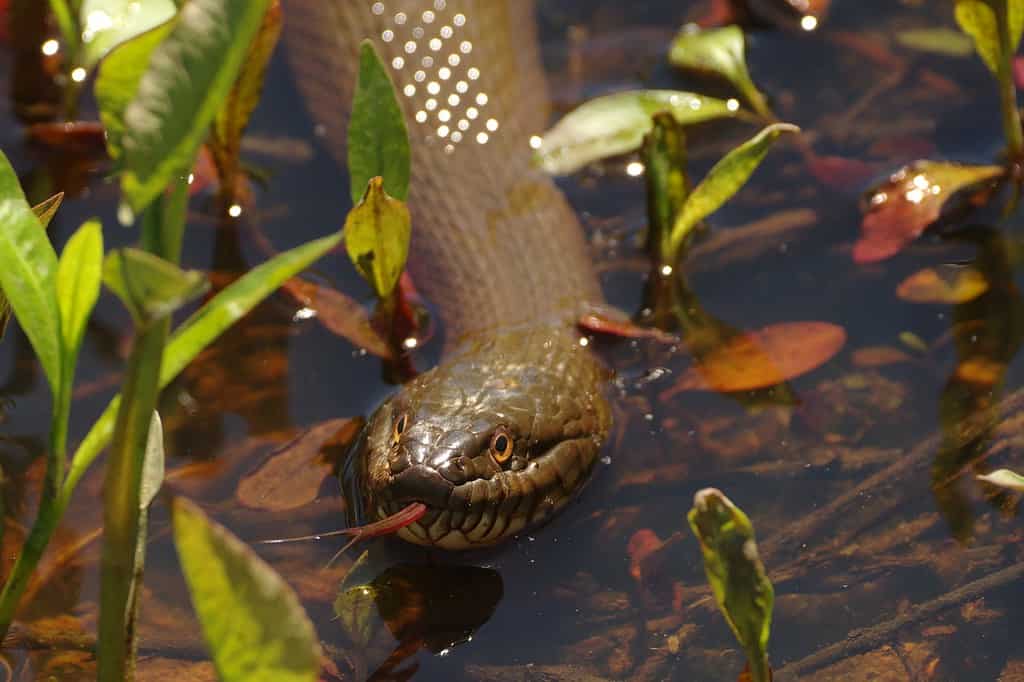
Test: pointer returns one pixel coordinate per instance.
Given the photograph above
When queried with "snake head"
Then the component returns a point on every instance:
(494, 440)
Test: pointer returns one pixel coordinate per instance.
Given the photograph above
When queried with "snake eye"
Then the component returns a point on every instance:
(501, 446)
(399, 429)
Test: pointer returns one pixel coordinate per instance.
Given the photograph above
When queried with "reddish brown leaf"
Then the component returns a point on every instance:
(763, 358)
(641, 545)
(80, 137)
(900, 209)
(291, 477)
(340, 314)
(841, 173)
(943, 284)
(1018, 71)
(879, 356)
(614, 324)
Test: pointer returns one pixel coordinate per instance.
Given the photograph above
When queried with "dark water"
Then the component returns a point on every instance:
(560, 603)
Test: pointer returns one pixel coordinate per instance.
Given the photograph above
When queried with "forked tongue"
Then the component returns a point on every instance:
(409, 514)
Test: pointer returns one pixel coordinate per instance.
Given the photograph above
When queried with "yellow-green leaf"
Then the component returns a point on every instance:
(738, 580)
(1004, 478)
(108, 23)
(150, 286)
(939, 40)
(719, 51)
(251, 619)
(79, 273)
(978, 20)
(377, 235)
(616, 124)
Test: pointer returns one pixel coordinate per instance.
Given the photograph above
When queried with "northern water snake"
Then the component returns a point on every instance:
(508, 427)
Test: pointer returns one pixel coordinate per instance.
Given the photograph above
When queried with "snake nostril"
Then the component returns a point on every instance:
(454, 470)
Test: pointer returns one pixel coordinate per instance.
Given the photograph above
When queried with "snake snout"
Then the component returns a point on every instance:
(418, 483)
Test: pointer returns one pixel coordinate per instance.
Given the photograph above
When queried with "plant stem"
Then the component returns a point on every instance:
(1007, 90)
(121, 497)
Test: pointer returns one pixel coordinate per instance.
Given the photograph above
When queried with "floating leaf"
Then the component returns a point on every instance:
(149, 286)
(189, 74)
(616, 124)
(1004, 478)
(978, 20)
(226, 134)
(291, 477)
(340, 314)
(939, 40)
(377, 235)
(46, 209)
(719, 51)
(900, 209)
(878, 356)
(763, 358)
(738, 580)
(378, 142)
(29, 272)
(724, 180)
(251, 619)
(943, 284)
(108, 23)
(79, 273)
(614, 323)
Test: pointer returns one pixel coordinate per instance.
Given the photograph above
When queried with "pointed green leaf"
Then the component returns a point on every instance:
(65, 21)
(1004, 478)
(1015, 23)
(737, 577)
(723, 180)
(251, 619)
(377, 235)
(118, 79)
(47, 208)
(616, 124)
(719, 51)
(664, 157)
(150, 286)
(79, 272)
(108, 23)
(978, 20)
(378, 143)
(188, 76)
(28, 273)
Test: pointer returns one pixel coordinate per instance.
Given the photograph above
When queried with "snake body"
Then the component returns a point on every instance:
(506, 429)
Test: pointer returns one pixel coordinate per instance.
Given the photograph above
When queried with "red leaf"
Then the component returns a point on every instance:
(841, 173)
(613, 323)
(340, 314)
(1018, 71)
(80, 137)
(644, 543)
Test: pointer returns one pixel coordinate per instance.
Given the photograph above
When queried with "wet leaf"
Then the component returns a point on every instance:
(1004, 478)
(117, 80)
(340, 314)
(251, 619)
(183, 87)
(291, 477)
(616, 124)
(763, 358)
(719, 51)
(978, 20)
(378, 142)
(28, 273)
(149, 286)
(79, 273)
(613, 324)
(108, 23)
(980, 370)
(226, 134)
(377, 235)
(724, 180)
(668, 186)
(943, 284)
(939, 40)
(900, 209)
(46, 209)
(737, 577)
(878, 356)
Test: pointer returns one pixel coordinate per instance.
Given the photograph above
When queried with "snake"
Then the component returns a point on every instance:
(506, 429)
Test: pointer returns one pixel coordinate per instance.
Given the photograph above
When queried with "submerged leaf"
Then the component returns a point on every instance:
(943, 284)
(108, 23)
(1004, 478)
(719, 51)
(939, 40)
(978, 20)
(616, 124)
(722, 181)
(763, 358)
(340, 314)
(150, 286)
(251, 619)
(377, 233)
(378, 142)
(878, 356)
(738, 580)
(900, 209)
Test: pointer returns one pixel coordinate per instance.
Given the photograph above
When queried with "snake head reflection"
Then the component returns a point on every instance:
(494, 440)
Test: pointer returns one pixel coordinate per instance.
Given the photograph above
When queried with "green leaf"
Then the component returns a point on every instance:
(664, 157)
(723, 180)
(118, 79)
(737, 577)
(1015, 23)
(28, 273)
(378, 142)
(941, 40)
(65, 22)
(150, 286)
(46, 209)
(377, 234)
(978, 20)
(719, 51)
(1004, 478)
(188, 77)
(108, 23)
(616, 124)
(252, 620)
(79, 272)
